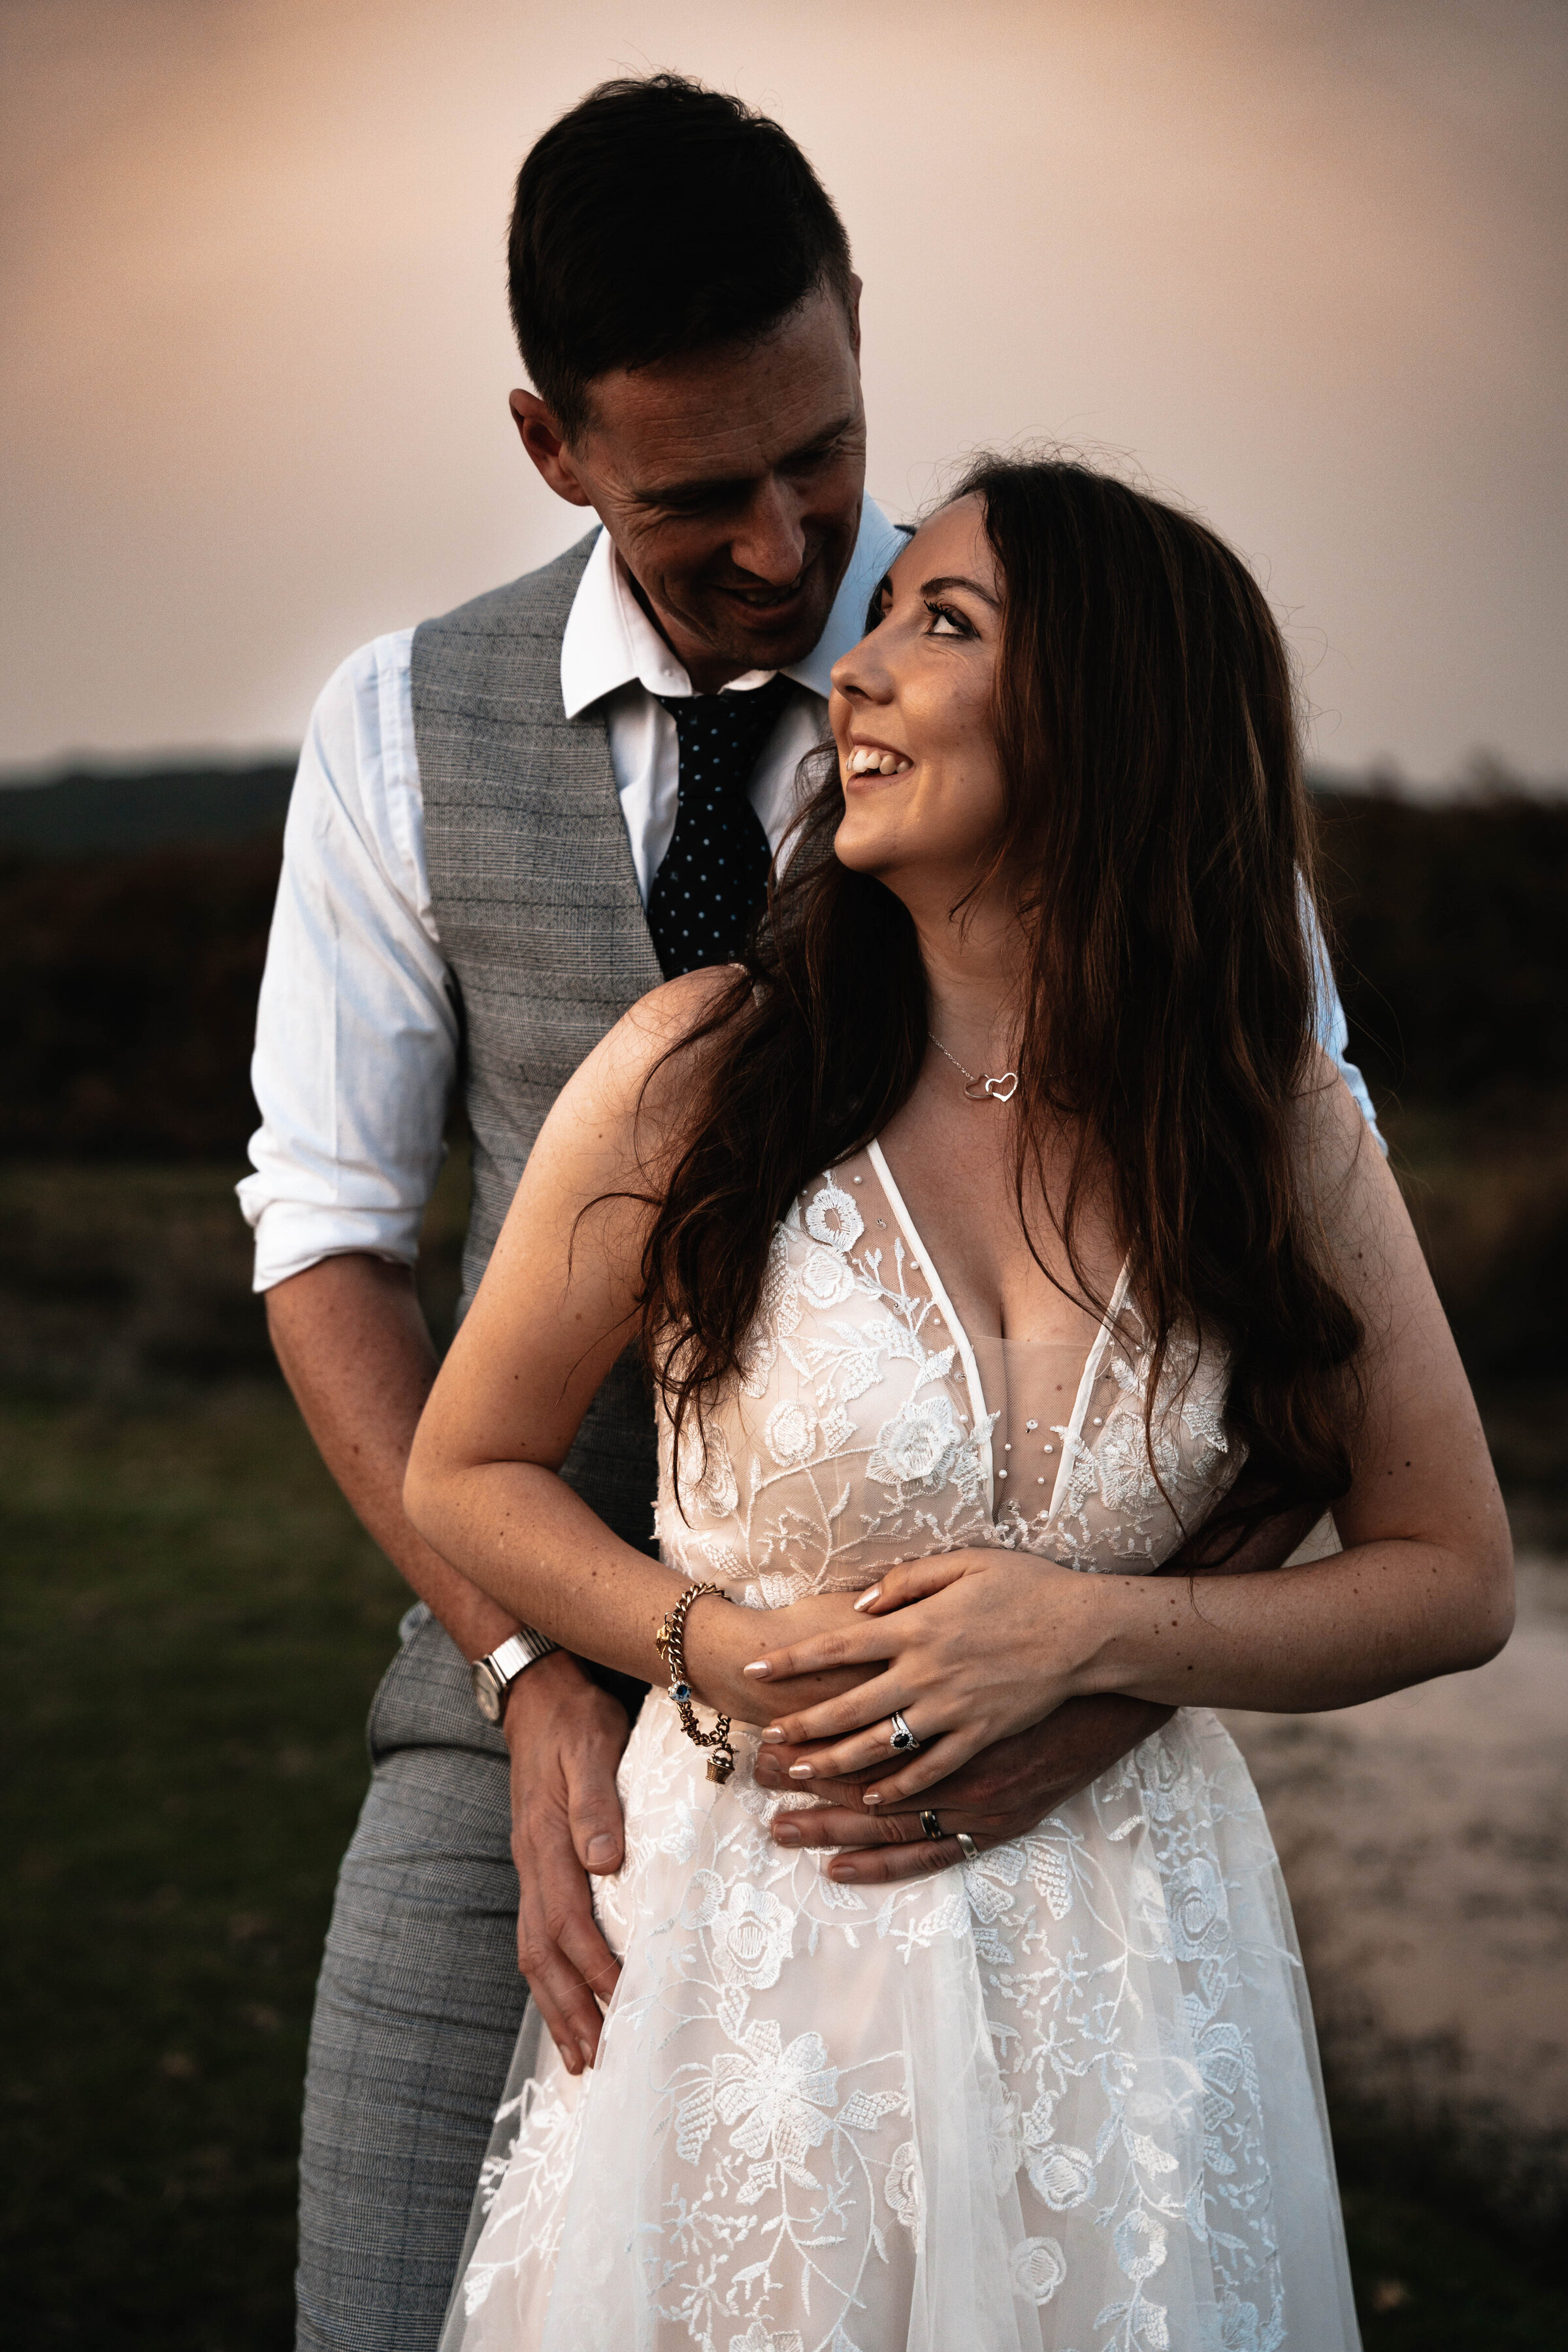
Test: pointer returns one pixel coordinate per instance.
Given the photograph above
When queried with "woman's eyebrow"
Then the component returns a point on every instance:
(957, 580)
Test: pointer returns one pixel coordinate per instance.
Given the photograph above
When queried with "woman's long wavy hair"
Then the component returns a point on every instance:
(1158, 844)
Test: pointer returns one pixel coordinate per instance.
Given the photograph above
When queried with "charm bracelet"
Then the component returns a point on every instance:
(671, 1643)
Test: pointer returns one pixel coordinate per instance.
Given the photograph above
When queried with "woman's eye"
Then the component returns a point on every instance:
(946, 623)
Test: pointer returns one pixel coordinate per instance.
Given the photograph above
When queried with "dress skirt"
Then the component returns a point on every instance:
(1063, 2098)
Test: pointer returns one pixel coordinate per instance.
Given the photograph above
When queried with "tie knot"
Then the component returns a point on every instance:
(729, 726)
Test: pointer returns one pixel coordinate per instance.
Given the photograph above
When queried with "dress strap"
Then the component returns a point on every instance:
(1092, 1363)
(980, 1417)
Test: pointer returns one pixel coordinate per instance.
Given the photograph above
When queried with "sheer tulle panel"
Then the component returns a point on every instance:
(1031, 1386)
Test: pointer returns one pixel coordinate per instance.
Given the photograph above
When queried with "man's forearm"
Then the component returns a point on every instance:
(355, 1350)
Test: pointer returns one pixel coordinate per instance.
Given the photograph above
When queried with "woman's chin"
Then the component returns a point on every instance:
(863, 847)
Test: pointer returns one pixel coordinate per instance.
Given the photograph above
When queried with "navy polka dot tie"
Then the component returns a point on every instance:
(715, 871)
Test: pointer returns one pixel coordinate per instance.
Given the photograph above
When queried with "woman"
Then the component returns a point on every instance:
(976, 1234)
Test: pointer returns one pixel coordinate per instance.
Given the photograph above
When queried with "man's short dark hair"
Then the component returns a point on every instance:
(659, 217)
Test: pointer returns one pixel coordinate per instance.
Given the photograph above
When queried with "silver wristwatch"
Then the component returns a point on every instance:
(494, 1677)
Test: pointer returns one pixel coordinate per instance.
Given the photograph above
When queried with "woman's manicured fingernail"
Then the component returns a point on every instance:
(800, 1771)
(786, 1833)
(757, 1666)
(587, 2050)
(866, 1598)
(773, 1734)
(872, 1797)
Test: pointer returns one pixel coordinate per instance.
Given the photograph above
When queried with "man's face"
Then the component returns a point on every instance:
(730, 482)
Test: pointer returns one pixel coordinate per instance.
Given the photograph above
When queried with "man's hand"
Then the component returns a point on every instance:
(566, 1737)
(999, 1794)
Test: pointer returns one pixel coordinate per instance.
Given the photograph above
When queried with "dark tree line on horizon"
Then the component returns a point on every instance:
(129, 978)
(130, 975)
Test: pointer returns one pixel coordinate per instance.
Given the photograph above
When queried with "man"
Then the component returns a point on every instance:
(508, 824)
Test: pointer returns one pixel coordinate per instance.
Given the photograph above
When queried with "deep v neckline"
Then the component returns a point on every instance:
(979, 1415)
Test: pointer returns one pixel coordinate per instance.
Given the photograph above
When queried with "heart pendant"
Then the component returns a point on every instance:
(1002, 1089)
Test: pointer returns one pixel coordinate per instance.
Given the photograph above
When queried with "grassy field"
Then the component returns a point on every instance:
(192, 1628)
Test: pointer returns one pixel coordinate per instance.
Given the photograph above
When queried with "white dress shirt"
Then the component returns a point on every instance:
(356, 1040)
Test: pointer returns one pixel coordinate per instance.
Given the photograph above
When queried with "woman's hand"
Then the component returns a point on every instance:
(721, 1640)
(977, 1644)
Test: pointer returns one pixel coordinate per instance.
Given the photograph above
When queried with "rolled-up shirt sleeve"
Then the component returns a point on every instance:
(356, 1039)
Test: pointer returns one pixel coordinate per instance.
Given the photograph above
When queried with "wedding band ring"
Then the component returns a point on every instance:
(930, 1823)
(903, 1741)
(966, 1846)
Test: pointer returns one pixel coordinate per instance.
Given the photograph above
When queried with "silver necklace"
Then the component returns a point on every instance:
(982, 1088)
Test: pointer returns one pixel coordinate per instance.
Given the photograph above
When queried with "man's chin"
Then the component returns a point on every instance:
(767, 637)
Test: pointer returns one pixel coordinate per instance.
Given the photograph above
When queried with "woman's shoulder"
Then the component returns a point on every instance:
(1352, 1194)
(642, 1078)
(667, 1021)
(1336, 1147)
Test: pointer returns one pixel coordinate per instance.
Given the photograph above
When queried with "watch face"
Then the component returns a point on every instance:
(486, 1698)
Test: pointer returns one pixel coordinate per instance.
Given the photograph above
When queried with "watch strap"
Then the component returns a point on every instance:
(494, 1676)
(518, 1652)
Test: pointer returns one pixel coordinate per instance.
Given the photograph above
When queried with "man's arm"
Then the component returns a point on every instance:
(353, 1342)
(1003, 1792)
(355, 1350)
(356, 1054)
(1332, 1029)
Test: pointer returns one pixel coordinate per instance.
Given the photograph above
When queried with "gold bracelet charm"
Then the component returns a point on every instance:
(671, 1642)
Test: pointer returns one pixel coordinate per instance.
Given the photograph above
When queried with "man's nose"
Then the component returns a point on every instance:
(770, 543)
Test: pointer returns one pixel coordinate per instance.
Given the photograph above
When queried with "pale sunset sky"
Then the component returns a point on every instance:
(1301, 264)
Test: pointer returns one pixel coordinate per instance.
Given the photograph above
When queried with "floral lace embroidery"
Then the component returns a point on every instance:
(840, 1327)
(1096, 1986)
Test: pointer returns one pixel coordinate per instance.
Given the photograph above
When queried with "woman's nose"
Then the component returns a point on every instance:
(861, 674)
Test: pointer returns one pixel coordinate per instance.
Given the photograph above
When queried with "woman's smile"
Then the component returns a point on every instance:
(876, 760)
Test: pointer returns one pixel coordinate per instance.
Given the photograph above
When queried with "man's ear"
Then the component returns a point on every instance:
(546, 444)
(856, 289)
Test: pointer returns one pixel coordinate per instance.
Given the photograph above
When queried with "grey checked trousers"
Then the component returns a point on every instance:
(418, 2010)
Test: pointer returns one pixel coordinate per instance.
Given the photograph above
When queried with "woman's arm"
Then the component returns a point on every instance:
(557, 1305)
(1425, 1584)
(1422, 1587)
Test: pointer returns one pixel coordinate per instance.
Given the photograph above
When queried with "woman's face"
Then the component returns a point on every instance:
(911, 712)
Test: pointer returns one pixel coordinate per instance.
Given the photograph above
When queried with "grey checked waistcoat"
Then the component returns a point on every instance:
(542, 927)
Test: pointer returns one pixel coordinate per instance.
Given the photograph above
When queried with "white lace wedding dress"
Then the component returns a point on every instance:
(1063, 2097)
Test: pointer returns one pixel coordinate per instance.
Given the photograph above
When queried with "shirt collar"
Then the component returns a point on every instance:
(609, 640)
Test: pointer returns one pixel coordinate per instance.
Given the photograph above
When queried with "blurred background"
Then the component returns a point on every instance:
(1301, 266)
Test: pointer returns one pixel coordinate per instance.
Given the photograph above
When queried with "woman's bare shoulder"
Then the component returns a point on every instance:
(634, 1090)
(1341, 1157)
